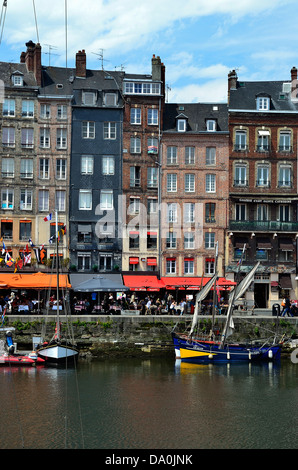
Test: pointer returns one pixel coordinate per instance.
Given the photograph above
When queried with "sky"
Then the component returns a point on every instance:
(199, 41)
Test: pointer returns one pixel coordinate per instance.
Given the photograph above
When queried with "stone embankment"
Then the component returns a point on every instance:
(137, 336)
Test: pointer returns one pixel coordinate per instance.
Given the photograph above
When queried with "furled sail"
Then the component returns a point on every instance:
(199, 297)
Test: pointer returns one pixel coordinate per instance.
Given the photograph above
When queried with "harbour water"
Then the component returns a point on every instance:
(150, 404)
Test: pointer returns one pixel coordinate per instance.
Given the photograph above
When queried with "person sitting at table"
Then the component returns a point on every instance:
(172, 310)
(87, 305)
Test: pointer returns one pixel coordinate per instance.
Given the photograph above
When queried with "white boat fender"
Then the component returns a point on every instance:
(210, 356)
(228, 355)
(270, 354)
(249, 355)
(33, 355)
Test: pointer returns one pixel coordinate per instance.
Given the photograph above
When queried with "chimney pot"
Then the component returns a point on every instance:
(81, 64)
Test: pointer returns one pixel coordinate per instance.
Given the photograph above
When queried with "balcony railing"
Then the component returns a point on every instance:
(263, 225)
(240, 182)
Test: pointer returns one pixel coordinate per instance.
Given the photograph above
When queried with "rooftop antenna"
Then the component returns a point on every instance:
(122, 68)
(100, 57)
(50, 53)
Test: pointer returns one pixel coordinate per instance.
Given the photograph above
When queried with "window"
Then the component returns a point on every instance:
(172, 155)
(8, 136)
(108, 165)
(171, 240)
(262, 212)
(181, 125)
(27, 139)
(263, 175)
(88, 130)
(152, 143)
(240, 175)
(211, 125)
(240, 140)
(27, 108)
(240, 212)
(44, 137)
(284, 177)
(26, 200)
(134, 205)
(109, 130)
(189, 155)
(284, 213)
(45, 111)
(84, 261)
(26, 168)
(89, 98)
(105, 263)
(263, 141)
(87, 165)
(61, 111)
(84, 233)
(106, 200)
(188, 266)
(25, 230)
(209, 266)
(145, 88)
(209, 240)
(210, 212)
(189, 182)
(210, 183)
(85, 199)
(285, 141)
(263, 104)
(43, 200)
(60, 201)
(135, 176)
(7, 198)
(61, 139)
(110, 99)
(189, 212)
(135, 145)
(134, 240)
(189, 240)
(152, 206)
(151, 240)
(172, 215)
(44, 168)
(7, 170)
(135, 116)
(152, 117)
(6, 229)
(152, 177)
(210, 156)
(60, 168)
(171, 182)
(8, 107)
(171, 265)
(17, 80)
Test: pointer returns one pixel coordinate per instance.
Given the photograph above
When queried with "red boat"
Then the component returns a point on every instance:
(21, 360)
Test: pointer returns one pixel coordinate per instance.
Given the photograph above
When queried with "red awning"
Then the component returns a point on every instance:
(143, 282)
(133, 260)
(194, 283)
(151, 262)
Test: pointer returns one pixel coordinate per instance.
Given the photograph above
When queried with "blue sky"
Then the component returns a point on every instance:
(199, 41)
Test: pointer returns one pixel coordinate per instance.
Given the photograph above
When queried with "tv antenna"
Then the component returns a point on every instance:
(100, 57)
(50, 53)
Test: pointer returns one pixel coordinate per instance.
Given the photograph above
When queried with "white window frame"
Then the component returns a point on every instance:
(240, 178)
(189, 240)
(26, 168)
(211, 125)
(106, 200)
(209, 240)
(85, 199)
(85, 261)
(60, 200)
(108, 165)
(152, 117)
(263, 103)
(285, 176)
(11, 136)
(152, 175)
(26, 199)
(189, 155)
(61, 164)
(171, 240)
(27, 137)
(7, 170)
(43, 200)
(44, 168)
(45, 111)
(210, 156)
(9, 107)
(210, 183)
(172, 155)
(170, 266)
(7, 199)
(87, 165)
(44, 137)
(172, 212)
(181, 125)
(189, 183)
(109, 130)
(189, 266)
(27, 108)
(172, 182)
(135, 145)
(88, 129)
(61, 138)
(61, 112)
(135, 116)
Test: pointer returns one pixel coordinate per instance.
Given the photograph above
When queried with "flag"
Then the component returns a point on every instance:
(8, 260)
(31, 242)
(51, 240)
(3, 315)
(27, 259)
(36, 251)
(48, 217)
(42, 254)
(3, 248)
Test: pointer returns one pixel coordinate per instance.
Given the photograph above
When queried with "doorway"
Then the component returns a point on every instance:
(261, 292)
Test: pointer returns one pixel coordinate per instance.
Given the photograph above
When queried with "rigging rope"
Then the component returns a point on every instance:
(35, 21)
(4, 6)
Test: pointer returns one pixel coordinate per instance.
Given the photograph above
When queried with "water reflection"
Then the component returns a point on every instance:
(150, 404)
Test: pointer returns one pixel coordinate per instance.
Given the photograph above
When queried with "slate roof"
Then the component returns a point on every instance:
(197, 115)
(244, 96)
(8, 68)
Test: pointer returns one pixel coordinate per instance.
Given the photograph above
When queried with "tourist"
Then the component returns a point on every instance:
(287, 309)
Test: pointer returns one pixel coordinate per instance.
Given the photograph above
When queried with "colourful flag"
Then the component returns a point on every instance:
(31, 242)
(48, 217)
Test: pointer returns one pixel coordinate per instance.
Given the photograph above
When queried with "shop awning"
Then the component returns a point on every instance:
(143, 282)
(151, 261)
(194, 283)
(134, 260)
(33, 281)
(285, 282)
(78, 278)
(286, 246)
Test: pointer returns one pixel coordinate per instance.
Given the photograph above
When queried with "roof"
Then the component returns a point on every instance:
(8, 68)
(197, 114)
(243, 97)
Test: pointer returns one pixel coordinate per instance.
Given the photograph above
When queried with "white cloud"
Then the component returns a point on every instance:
(212, 91)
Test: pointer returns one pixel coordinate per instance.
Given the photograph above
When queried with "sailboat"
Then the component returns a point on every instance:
(196, 350)
(59, 350)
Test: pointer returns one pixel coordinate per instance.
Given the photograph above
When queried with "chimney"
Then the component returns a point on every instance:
(294, 83)
(156, 68)
(81, 64)
(23, 57)
(37, 63)
(232, 82)
(29, 59)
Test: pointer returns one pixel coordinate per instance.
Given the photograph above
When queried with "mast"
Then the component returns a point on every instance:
(214, 288)
(57, 271)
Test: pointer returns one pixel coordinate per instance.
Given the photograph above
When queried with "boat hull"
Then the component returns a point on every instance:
(58, 353)
(201, 352)
(20, 360)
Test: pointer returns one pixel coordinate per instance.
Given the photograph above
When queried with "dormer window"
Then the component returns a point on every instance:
(211, 125)
(263, 103)
(17, 79)
(89, 98)
(181, 125)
